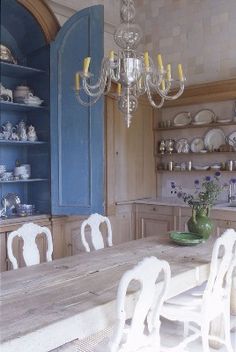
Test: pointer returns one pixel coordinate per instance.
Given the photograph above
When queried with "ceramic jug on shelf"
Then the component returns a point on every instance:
(32, 136)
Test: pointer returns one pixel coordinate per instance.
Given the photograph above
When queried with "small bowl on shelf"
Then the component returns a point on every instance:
(25, 209)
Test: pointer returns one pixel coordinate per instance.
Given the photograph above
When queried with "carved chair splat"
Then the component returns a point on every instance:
(28, 232)
(94, 221)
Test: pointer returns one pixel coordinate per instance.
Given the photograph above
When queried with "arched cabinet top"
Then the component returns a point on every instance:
(44, 16)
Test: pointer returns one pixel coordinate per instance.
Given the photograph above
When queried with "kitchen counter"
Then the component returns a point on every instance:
(174, 201)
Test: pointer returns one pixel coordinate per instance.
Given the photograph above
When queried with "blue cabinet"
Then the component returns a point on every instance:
(67, 162)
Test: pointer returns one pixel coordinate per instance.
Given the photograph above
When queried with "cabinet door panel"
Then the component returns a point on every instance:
(155, 226)
(76, 131)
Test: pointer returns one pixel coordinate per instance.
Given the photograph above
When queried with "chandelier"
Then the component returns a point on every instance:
(134, 73)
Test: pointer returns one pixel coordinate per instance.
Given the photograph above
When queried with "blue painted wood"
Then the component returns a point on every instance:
(33, 58)
(77, 132)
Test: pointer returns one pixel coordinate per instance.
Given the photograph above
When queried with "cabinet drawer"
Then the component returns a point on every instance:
(154, 209)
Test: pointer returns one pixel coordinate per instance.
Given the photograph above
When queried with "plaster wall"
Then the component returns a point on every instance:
(200, 34)
(63, 9)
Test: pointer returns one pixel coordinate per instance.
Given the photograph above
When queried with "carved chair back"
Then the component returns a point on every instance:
(147, 308)
(28, 233)
(94, 221)
(223, 262)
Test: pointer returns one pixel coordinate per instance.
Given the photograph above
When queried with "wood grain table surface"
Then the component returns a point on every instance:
(46, 305)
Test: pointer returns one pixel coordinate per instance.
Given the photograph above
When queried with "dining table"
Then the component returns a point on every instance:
(47, 305)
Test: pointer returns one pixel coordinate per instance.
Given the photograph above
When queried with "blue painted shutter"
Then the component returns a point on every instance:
(77, 132)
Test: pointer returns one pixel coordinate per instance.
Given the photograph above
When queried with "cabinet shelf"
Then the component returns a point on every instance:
(7, 106)
(18, 71)
(26, 181)
(215, 124)
(191, 153)
(23, 143)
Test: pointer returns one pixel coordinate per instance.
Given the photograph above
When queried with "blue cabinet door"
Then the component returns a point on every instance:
(77, 132)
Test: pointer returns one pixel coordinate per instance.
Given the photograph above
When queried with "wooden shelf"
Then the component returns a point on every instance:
(21, 143)
(26, 181)
(191, 153)
(7, 106)
(18, 71)
(216, 124)
(195, 171)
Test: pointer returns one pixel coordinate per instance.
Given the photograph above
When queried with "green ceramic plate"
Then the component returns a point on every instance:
(186, 238)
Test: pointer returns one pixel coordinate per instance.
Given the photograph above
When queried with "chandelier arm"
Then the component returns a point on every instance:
(177, 95)
(89, 88)
(156, 106)
(87, 104)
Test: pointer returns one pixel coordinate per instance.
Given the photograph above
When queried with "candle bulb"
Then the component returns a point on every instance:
(86, 65)
(180, 72)
(111, 55)
(119, 89)
(168, 72)
(146, 60)
(77, 81)
(163, 85)
(159, 62)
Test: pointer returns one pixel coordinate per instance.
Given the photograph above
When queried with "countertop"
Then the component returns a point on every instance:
(173, 201)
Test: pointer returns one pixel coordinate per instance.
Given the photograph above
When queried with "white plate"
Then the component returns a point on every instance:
(214, 139)
(224, 120)
(204, 116)
(182, 119)
(232, 139)
(197, 145)
(201, 167)
(215, 167)
(182, 146)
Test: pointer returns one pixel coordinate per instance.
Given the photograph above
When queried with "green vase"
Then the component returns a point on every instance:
(200, 222)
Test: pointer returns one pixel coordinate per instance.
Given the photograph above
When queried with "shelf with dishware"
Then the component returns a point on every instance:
(10, 106)
(21, 143)
(190, 126)
(193, 171)
(19, 71)
(25, 180)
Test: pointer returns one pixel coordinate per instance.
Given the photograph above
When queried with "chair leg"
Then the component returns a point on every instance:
(186, 329)
(227, 333)
(205, 336)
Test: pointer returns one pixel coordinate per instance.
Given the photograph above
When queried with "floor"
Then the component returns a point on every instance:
(172, 333)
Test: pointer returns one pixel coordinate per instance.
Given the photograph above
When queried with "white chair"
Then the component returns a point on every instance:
(28, 233)
(142, 332)
(94, 221)
(215, 301)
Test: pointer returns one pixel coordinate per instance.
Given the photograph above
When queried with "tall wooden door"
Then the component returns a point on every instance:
(77, 132)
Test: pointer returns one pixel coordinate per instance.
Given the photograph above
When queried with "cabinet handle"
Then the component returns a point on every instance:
(154, 209)
(69, 245)
(228, 223)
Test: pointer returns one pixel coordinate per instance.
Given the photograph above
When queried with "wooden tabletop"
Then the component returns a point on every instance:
(47, 305)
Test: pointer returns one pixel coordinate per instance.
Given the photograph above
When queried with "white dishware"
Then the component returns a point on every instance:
(33, 100)
(204, 116)
(182, 119)
(20, 93)
(232, 139)
(215, 167)
(220, 120)
(182, 146)
(201, 167)
(197, 145)
(214, 139)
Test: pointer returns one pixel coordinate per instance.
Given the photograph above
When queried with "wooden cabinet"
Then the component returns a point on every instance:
(154, 220)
